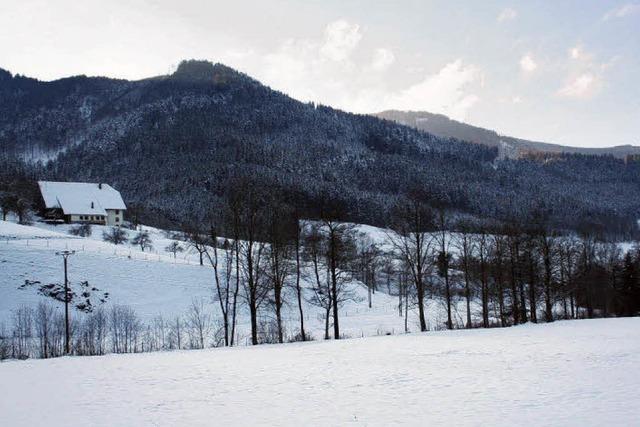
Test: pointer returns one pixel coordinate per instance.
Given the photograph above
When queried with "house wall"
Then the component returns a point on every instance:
(92, 219)
(115, 217)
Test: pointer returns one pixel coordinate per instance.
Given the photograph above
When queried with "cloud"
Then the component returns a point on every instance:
(336, 69)
(341, 38)
(622, 11)
(579, 55)
(445, 92)
(382, 59)
(507, 14)
(313, 69)
(527, 63)
(587, 75)
(577, 52)
(583, 86)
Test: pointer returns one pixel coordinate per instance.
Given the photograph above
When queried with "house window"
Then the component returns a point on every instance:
(117, 219)
(117, 211)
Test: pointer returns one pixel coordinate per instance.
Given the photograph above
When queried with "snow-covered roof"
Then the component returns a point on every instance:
(80, 198)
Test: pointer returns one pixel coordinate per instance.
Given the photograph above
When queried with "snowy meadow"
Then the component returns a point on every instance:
(566, 373)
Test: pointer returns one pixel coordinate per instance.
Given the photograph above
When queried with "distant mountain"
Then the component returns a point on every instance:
(442, 126)
(176, 144)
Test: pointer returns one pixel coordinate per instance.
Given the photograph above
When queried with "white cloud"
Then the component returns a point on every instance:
(576, 52)
(516, 100)
(341, 38)
(581, 56)
(583, 86)
(336, 70)
(382, 59)
(445, 92)
(622, 11)
(507, 15)
(314, 69)
(527, 63)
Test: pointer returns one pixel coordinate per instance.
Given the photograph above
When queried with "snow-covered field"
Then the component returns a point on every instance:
(154, 283)
(569, 373)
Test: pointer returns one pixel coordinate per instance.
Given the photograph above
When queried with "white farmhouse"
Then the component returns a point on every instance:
(82, 202)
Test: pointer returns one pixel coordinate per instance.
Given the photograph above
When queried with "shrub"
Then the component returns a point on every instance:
(83, 230)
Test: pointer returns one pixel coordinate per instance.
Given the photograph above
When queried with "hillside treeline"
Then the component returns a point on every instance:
(174, 144)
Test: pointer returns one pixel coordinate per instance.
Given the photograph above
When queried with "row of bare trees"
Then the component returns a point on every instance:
(268, 253)
(516, 271)
(40, 332)
(497, 275)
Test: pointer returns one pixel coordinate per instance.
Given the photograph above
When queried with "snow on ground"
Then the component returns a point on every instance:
(569, 373)
(154, 283)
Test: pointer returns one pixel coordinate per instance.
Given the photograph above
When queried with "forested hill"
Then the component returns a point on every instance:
(173, 144)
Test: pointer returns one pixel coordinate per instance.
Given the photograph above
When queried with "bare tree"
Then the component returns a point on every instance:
(222, 260)
(115, 235)
(22, 209)
(514, 238)
(466, 248)
(298, 287)
(142, 239)
(483, 246)
(22, 332)
(569, 253)
(444, 257)
(44, 324)
(340, 238)
(199, 322)
(174, 247)
(5, 346)
(280, 233)
(609, 257)
(248, 227)
(124, 329)
(548, 249)
(196, 240)
(368, 259)
(82, 230)
(314, 252)
(498, 252)
(175, 333)
(92, 334)
(413, 245)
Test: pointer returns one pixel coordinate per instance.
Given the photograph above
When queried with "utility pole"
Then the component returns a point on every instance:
(67, 335)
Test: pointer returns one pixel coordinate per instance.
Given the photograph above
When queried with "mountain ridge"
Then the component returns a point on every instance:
(442, 126)
(175, 144)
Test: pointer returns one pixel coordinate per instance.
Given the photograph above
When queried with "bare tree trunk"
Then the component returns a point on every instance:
(406, 309)
(532, 290)
(235, 291)
(400, 291)
(298, 287)
(222, 299)
(483, 281)
(546, 256)
(334, 287)
(513, 260)
(445, 266)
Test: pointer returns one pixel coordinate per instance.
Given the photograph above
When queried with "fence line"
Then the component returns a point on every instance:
(124, 253)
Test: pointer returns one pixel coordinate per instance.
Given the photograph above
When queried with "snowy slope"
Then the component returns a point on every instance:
(154, 283)
(569, 373)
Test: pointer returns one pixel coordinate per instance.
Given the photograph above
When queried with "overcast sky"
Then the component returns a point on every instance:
(563, 71)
